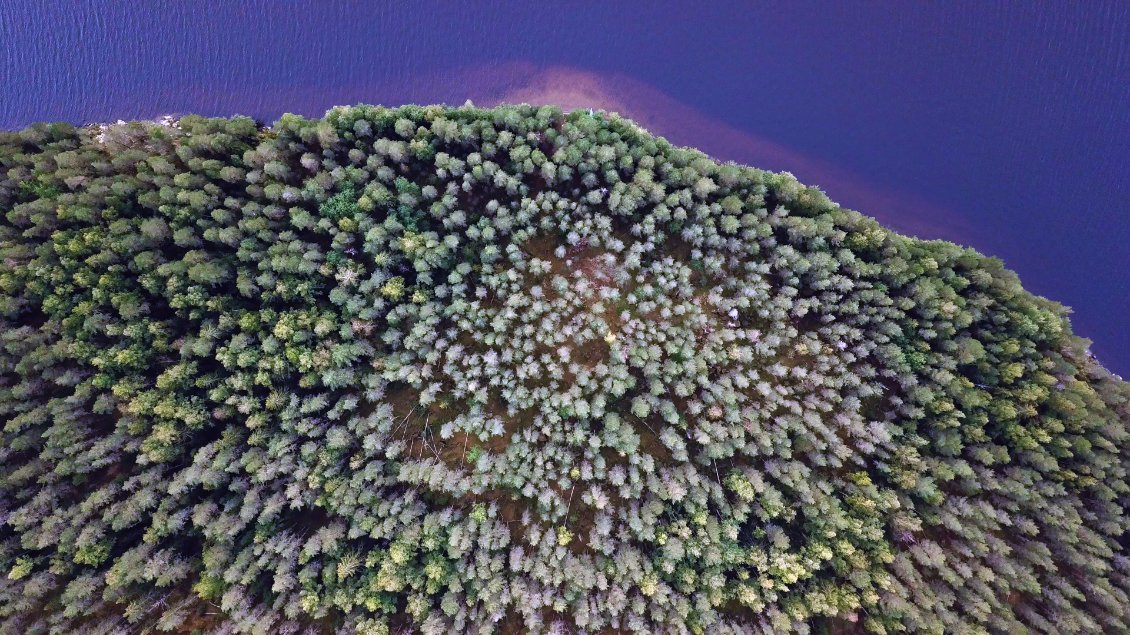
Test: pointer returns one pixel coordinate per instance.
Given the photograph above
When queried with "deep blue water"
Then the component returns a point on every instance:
(1004, 126)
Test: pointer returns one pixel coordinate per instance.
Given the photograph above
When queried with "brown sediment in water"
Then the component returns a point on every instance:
(682, 124)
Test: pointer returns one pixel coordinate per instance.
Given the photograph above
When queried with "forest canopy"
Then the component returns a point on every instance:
(462, 370)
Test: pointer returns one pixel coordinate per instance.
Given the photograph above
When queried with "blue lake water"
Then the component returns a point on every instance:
(1003, 126)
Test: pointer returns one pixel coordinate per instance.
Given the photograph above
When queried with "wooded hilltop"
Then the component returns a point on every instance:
(462, 370)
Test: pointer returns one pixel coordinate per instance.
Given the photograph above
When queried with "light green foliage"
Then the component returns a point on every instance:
(453, 370)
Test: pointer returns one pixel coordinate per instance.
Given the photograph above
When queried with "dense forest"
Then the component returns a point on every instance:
(461, 370)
